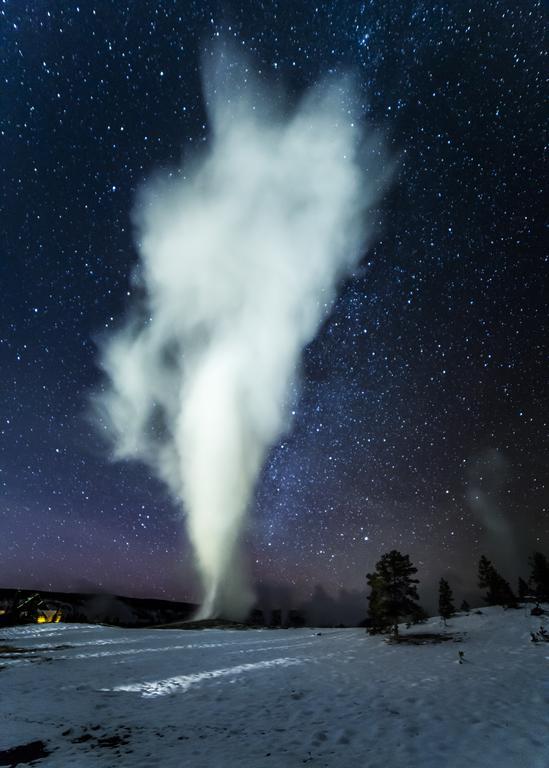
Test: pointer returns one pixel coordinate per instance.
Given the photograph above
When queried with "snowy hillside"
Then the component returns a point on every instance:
(98, 696)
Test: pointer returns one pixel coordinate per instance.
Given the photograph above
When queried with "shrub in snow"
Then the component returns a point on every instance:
(540, 636)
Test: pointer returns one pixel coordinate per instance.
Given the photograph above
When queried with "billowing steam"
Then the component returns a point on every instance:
(488, 474)
(240, 256)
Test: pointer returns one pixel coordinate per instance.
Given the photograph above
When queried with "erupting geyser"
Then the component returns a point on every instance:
(240, 256)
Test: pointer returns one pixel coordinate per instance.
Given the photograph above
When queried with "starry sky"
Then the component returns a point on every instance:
(422, 418)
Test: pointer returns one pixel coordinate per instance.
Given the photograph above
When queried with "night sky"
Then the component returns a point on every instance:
(422, 418)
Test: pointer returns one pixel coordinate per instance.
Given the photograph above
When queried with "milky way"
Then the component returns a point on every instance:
(431, 364)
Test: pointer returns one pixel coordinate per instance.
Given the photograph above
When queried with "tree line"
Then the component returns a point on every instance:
(393, 596)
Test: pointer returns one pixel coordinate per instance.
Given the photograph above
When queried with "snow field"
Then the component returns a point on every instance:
(100, 696)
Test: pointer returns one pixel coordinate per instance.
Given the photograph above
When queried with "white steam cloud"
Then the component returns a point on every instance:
(240, 257)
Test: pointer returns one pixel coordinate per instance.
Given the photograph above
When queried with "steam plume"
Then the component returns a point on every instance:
(240, 258)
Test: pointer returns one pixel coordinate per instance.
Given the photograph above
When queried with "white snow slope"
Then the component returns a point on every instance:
(219, 698)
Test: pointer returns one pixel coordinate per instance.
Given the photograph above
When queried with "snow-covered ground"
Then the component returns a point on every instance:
(100, 696)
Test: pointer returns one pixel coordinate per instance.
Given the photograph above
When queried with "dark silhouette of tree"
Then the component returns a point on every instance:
(523, 590)
(295, 619)
(276, 617)
(539, 576)
(377, 618)
(485, 569)
(446, 606)
(465, 607)
(498, 590)
(393, 593)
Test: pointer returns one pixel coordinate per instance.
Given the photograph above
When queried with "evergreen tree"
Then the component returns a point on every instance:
(393, 593)
(465, 607)
(446, 606)
(499, 592)
(539, 576)
(504, 594)
(523, 590)
(377, 619)
(485, 569)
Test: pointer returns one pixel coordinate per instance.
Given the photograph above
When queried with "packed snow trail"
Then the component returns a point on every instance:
(100, 696)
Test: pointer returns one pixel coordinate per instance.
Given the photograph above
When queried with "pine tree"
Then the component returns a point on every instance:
(485, 569)
(393, 593)
(446, 606)
(502, 592)
(539, 576)
(377, 620)
(523, 590)
(499, 592)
